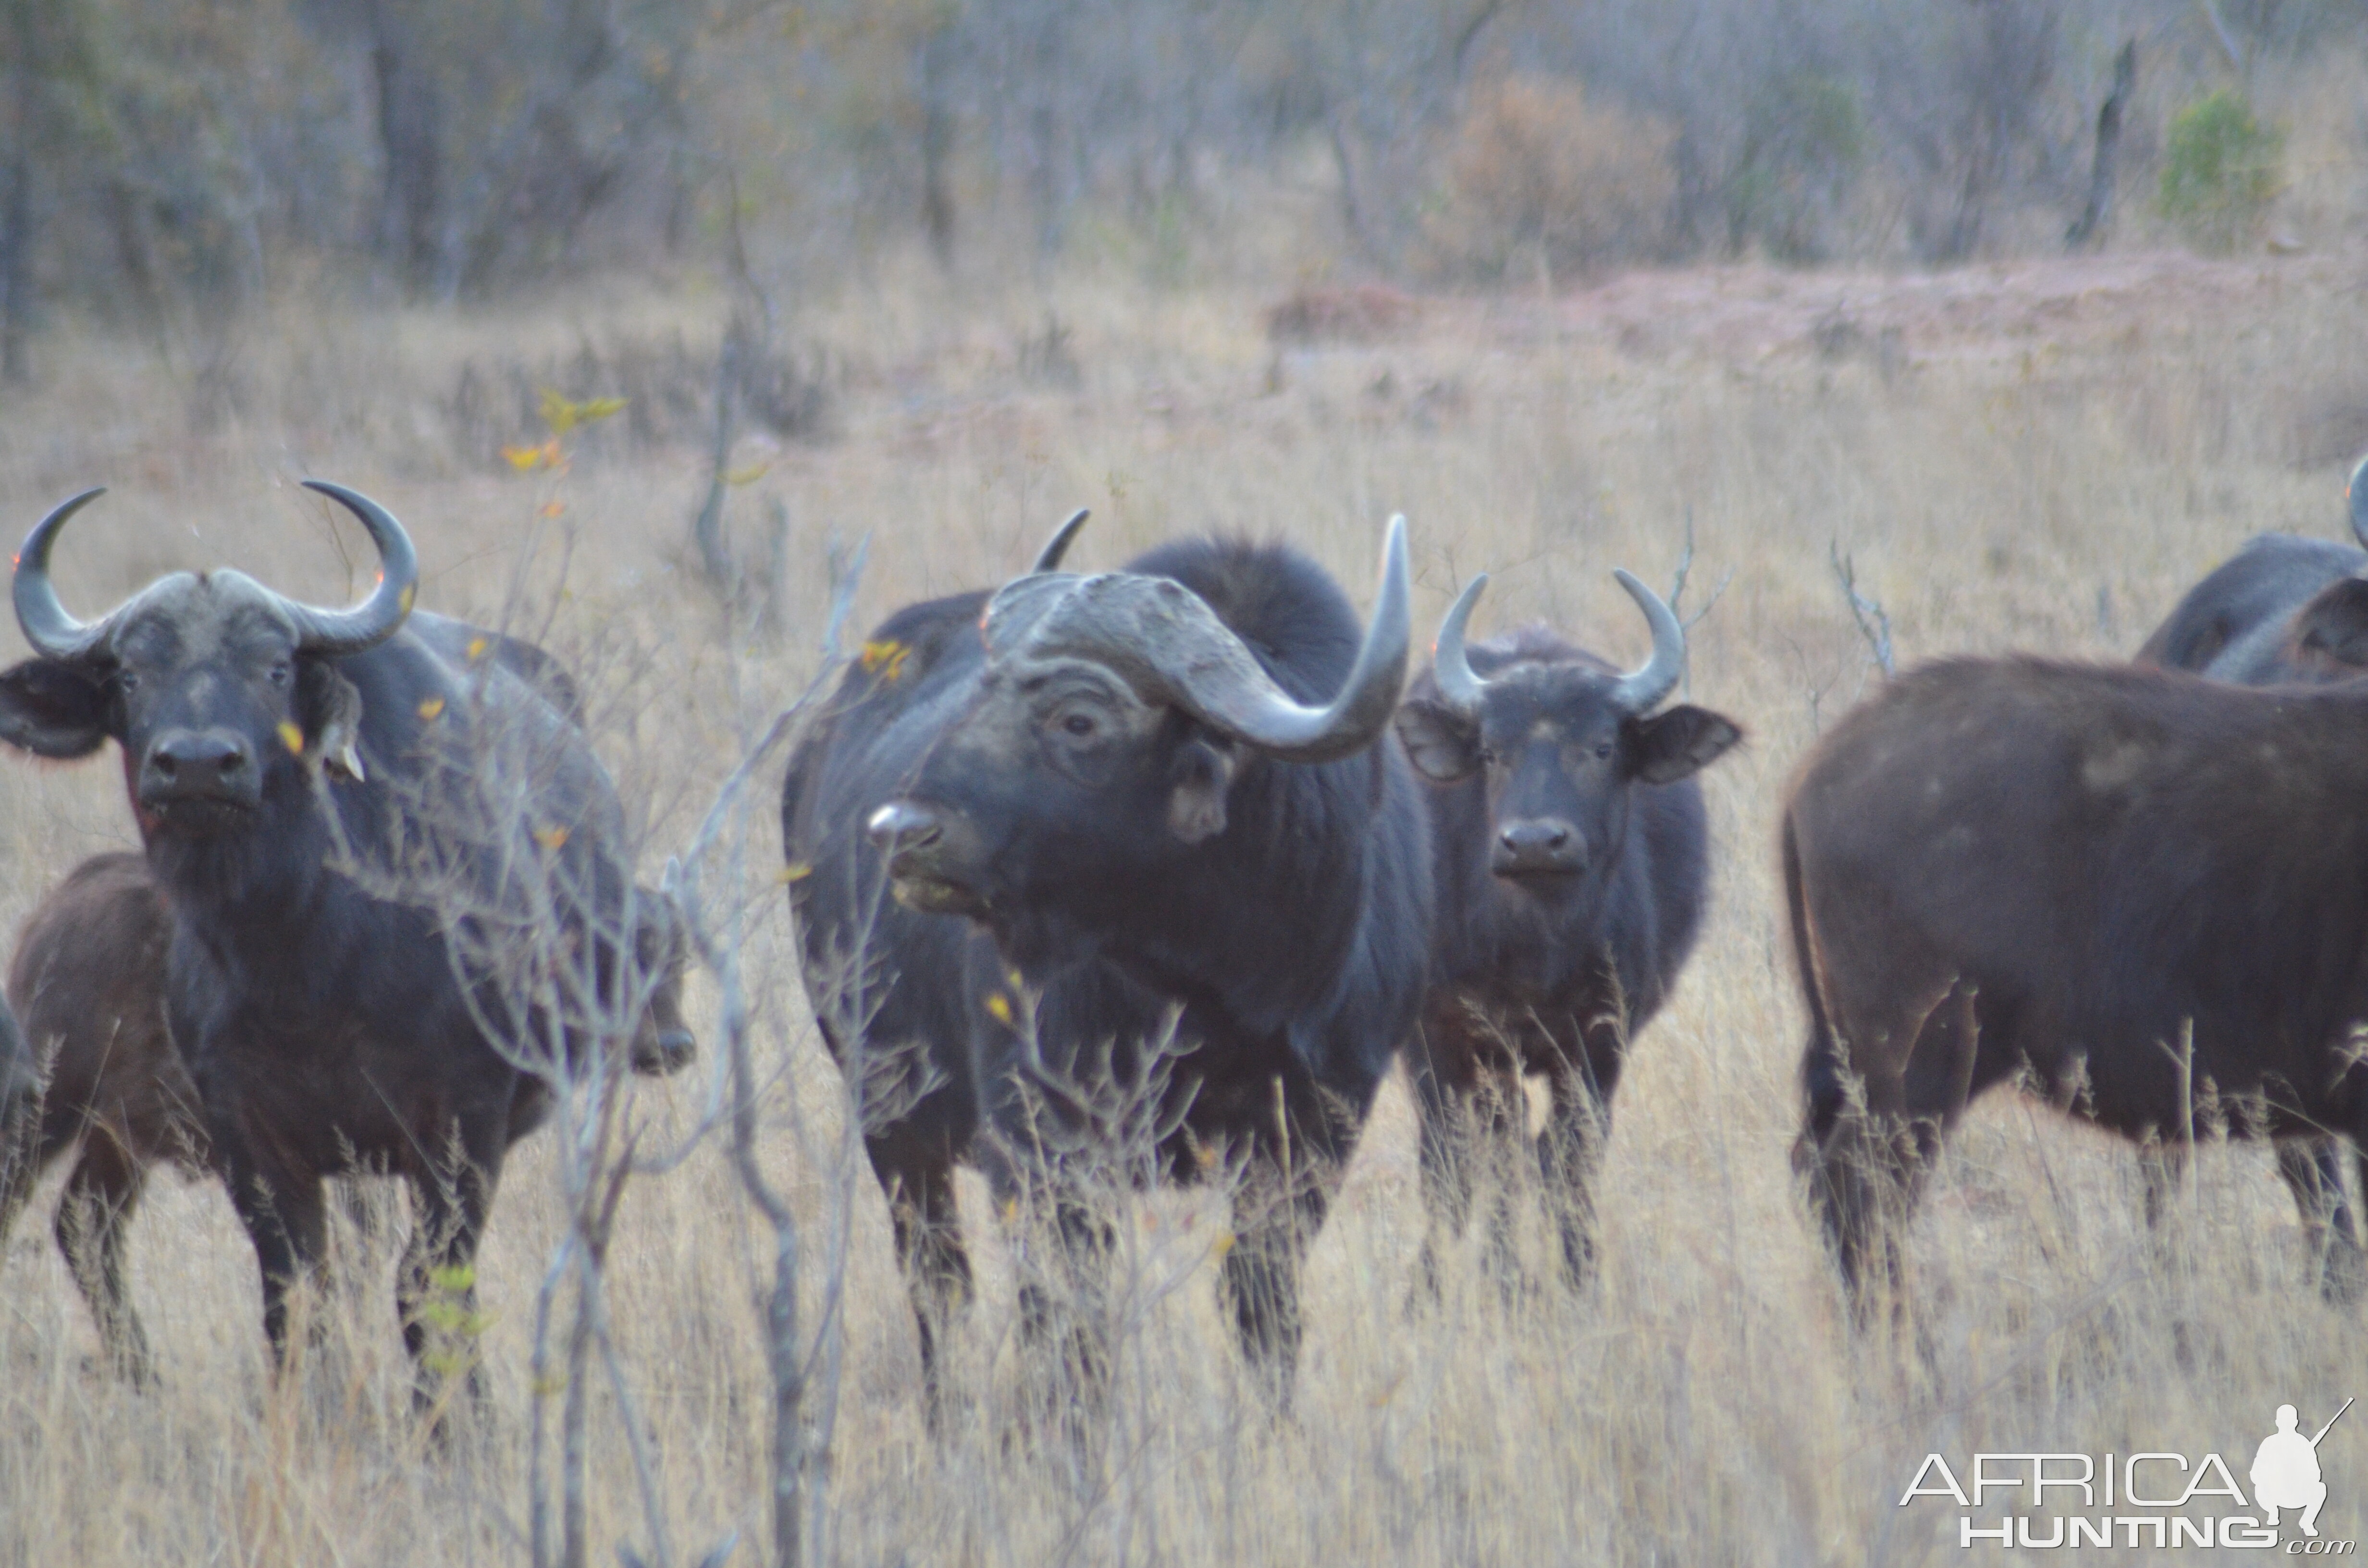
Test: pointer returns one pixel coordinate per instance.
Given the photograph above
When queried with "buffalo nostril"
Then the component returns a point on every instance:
(164, 764)
(1557, 837)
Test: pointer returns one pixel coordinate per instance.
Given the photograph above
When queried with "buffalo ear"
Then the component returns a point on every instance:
(329, 711)
(54, 710)
(1443, 745)
(1203, 776)
(1674, 744)
(2334, 626)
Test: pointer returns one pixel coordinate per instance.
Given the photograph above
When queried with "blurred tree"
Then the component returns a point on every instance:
(49, 122)
(503, 125)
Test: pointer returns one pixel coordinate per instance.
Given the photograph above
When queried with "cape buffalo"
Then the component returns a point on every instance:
(369, 966)
(1112, 808)
(1568, 853)
(88, 987)
(2236, 625)
(2239, 624)
(103, 1080)
(2145, 888)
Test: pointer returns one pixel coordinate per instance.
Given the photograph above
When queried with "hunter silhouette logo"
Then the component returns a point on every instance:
(2151, 1500)
(2285, 1470)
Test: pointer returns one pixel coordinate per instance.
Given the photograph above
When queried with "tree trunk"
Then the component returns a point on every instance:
(937, 146)
(15, 268)
(410, 129)
(2088, 230)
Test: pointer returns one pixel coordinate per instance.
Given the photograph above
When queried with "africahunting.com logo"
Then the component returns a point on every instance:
(2155, 1502)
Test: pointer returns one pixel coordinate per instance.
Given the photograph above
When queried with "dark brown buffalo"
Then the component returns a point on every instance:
(2245, 622)
(2147, 889)
(1570, 863)
(88, 988)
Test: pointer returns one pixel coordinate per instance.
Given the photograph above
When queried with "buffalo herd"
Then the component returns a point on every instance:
(1149, 876)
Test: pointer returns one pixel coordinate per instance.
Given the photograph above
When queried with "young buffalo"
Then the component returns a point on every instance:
(2147, 889)
(1568, 838)
(88, 987)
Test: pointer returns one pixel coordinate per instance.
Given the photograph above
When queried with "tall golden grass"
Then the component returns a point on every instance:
(1703, 1403)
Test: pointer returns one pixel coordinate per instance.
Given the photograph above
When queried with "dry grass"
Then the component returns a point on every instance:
(1702, 1404)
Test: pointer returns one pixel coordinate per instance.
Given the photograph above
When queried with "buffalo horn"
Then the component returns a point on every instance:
(1463, 690)
(1641, 691)
(1166, 642)
(2355, 490)
(1048, 558)
(336, 632)
(54, 633)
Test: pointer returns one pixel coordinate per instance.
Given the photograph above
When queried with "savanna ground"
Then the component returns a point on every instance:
(2035, 459)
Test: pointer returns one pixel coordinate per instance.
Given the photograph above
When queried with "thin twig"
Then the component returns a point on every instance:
(1874, 624)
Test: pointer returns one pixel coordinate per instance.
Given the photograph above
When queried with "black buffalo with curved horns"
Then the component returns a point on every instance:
(2237, 623)
(1108, 808)
(1571, 868)
(293, 769)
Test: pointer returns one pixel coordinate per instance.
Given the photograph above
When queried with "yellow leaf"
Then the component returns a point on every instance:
(599, 408)
(293, 738)
(405, 598)
(432, 707)
(552, 508)
(551, 837)
(523, 458)
(795, 871)
(998, 1006)
(748, 475)
(1223, 1245)
(476, 648)
(557, 412)
(1010, 1210)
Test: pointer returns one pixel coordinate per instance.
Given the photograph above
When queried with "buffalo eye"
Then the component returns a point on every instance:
(1602, 750)
(1487, 757)
(126, 682)
(1078, 725)
(279, 674)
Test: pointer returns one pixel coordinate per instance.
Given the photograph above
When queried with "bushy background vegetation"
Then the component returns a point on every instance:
(163, 162)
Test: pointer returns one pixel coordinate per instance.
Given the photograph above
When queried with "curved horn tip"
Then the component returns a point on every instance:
(49, 627)
(1458, 683)
(37, 543)
(339, 632)
(1641, 690)
(1048, 558)
(1393, 604)
(2355, 491)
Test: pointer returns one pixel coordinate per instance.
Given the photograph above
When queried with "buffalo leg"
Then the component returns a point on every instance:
(22, 1157)
(1462, 1108)
(436, 1287)
(93, 1225)
(1276, 1210)
(1870, 1137)
(288, 1223)
(1064, 1316)
(1571, 1148)
(929, 1251)
(2313, 1171)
